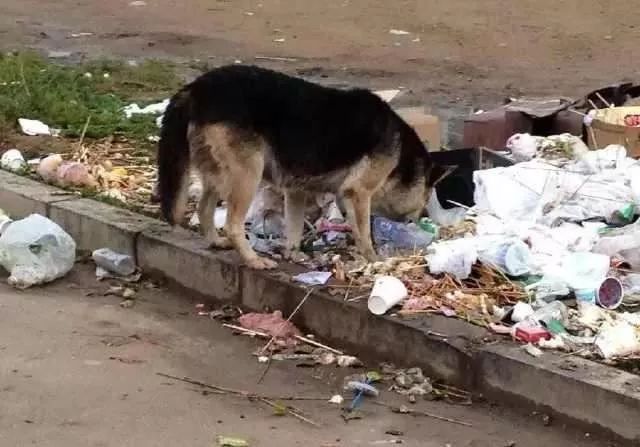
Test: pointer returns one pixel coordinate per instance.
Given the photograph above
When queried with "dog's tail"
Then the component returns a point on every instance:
(173, 158)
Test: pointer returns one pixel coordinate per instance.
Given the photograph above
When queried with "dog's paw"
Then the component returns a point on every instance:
(260, 263)
(295, 256)
(371, 255)
(221, 243)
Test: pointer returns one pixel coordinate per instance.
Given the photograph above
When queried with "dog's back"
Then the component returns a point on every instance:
(238, 125)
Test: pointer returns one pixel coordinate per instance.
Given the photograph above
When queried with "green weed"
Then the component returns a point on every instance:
(64, 96)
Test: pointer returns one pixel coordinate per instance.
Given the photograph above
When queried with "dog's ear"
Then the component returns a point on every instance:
(439, 173)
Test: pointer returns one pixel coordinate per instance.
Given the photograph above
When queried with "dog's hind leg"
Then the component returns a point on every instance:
(208, 168)
(358, 205)
(206, 210)
(294, 208)
(243, 187)
(358, 191)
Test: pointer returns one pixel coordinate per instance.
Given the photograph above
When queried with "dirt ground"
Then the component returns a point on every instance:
(76, 369)
(457, 54)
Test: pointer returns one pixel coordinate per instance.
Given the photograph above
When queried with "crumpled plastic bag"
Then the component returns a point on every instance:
(617, 339)
(523, 146)
(537, 191)
(622, 242)
(442, 216)
(35, 250)
(455, 257)
(12, 160)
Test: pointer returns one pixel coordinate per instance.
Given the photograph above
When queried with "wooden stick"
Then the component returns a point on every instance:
(290, 411)
(318, 344)
(297, 337)
(424, 413)
(245, 331)
(224, 390)
(277, 59)
(576, 112)
(606, 103)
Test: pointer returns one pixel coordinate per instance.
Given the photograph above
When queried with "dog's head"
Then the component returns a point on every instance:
(403, 201)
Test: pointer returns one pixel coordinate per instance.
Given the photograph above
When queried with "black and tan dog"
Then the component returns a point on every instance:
(240, 125)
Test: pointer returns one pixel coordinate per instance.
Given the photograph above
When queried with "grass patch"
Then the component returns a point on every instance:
(64, 96)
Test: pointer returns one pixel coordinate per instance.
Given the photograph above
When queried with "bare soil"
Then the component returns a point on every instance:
(458, 54)
(76, 369)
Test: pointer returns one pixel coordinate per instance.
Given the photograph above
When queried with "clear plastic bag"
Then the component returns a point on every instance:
(35, 250)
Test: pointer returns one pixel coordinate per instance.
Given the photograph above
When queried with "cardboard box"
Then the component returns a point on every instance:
(536, 116)
(426, 126)
(606, 134)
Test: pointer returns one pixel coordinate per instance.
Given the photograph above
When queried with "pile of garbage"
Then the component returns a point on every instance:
(112, 167)
(556, 228)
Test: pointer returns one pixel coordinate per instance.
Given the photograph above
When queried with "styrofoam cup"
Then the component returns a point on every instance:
(387, 292)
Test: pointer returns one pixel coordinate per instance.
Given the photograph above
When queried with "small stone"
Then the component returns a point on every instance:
(546, 420)
(59, 54)
(394, 432)
(421, 389)
(127, 304)
(128, 293)
(403, 381)
(412, 398)
(416, 374)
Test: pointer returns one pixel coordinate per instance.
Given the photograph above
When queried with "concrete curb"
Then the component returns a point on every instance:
(582, 391)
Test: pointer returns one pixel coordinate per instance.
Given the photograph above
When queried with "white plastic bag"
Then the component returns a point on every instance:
(512, 256)
(12, 160)
(622, 242)
(523, 146)
(441, 216)
(456, 257)
(35, 250)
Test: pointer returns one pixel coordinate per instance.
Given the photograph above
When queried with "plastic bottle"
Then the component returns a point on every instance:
(512, 257)
(395, 235)
(118, 263)
(555, 310)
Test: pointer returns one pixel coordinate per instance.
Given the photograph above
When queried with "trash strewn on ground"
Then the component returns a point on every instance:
(35, 250)
(118, 263)
(34, 127)
(226, 441)
(312, 278)
(110, 167)
(12, 160)
(273, 325)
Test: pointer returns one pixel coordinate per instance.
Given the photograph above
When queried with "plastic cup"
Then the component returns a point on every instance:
(585, 295)
(387, 292)
(610, 293)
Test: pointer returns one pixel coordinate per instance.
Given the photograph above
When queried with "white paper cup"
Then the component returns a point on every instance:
(387, 292)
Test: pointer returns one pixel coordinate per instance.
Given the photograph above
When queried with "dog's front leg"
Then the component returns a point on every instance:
(294, 210)
(358, 204)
